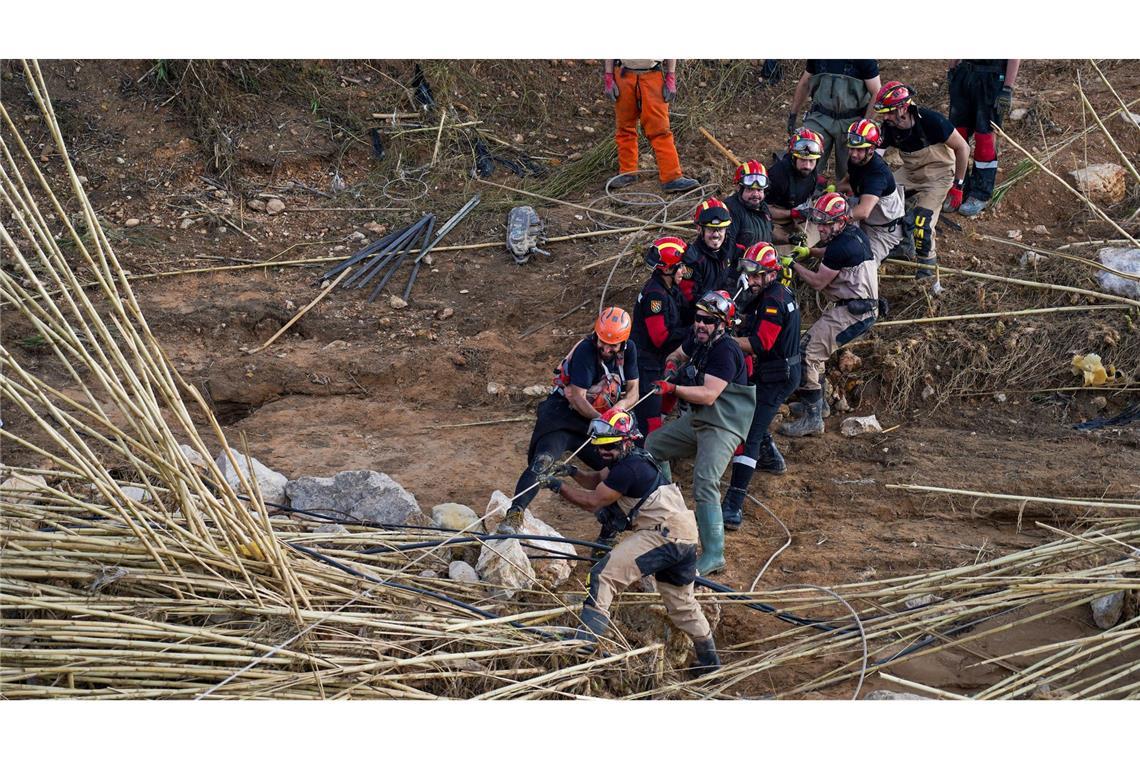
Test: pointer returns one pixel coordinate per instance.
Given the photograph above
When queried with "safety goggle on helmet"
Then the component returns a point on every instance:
(864, 134)
(759, 257)
(751, 174)
(893, 97)
(829, 209)
(614, 427)
(805, 144)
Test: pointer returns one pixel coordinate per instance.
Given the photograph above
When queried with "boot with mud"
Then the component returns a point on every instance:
(708, 661)
(594, 624)
(796, 408)
(811, 423)
(928, 277)
(732, 508)
(771, 460)
(710, 528)
(512, 520)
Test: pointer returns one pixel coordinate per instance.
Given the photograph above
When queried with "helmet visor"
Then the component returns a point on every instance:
(818, 217)
(804, 148)
(858, 141)
(602, 433)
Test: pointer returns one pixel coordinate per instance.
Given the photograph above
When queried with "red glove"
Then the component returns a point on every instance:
(669, 89)
(954, 197)
(665, 387)
(670, 369)
(797, 215)
(611, 88)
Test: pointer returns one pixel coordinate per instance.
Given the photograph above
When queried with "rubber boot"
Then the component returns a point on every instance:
(594, 624)
(707, 659)
(771, 460)
(732, 509)
(710, 527)
(810, 424)
(904, 249)
(796, 408)
(926, 274)
(512, 520)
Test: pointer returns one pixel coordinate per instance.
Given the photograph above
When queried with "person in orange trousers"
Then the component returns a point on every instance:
(642, 90)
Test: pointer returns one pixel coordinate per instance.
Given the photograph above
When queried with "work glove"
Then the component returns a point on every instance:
(797, 238)
(792, 122)
(800, 212)
(551, 482)
(801, 252)
(565, 470)
(954, 197)
(824, 184)
(611, 87)
(670, 370)
(1004, 101)
(664, 387)
(787, 261)
(669, 89)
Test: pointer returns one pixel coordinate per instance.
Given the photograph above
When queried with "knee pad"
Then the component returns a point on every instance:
(923, 230)
(985, 147)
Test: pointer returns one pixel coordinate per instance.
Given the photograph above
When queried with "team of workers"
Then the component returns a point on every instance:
(716, 328)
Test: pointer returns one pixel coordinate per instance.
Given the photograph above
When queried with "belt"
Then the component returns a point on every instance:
(892, 223)
(982, 69)
(641, 71)
(790, 361)
(836, 114)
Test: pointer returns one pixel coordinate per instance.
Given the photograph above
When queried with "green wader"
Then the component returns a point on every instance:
(836, 101)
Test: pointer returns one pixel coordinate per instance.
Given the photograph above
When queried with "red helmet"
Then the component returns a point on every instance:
(666, 253)
(712, 213)
(614, 426)
(613, 325)
(893, 96)
(758, 257)
(805, 144)
(718, 303)
(751, 174)
(863, 134)
(829, 208)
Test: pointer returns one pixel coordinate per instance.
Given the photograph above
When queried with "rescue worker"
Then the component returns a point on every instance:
(841, 91)
(751, 219)
(770, 335)
(934, 161)
(599, 374)
(794, 178)
(664, 539)
(659, 325)
(711, 376)
(642, 90)
(848, 277)
(981, 92)
(879, 210)
(710, 254)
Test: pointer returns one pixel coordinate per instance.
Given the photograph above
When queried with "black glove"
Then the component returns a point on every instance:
(551, 482)
(566, 469)
(797, 239)
(791, 122)
(1004, 101)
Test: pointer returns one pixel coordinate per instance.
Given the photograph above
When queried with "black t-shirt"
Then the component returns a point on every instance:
(786, 188)
(585, 369)
(856, 69)
(632, 476)
(931, 128)
(872, 178)
(849, 248)
(724, 359)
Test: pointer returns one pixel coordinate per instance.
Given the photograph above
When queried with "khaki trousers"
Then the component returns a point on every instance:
(834, 328)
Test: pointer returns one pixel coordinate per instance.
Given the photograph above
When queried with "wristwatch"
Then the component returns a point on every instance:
(960, 183)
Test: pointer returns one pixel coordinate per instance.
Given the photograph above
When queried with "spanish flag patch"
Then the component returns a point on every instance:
(771, 310)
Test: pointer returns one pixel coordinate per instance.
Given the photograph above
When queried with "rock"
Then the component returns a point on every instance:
(357, 236)
(1099, 403)
(270, 483)
(187, 223)
(1041, 229)
(1030, 259)
(885, 694)
(21, 490)
(446, 314)
(1000, 398)
(853, 426)
(376, 229)
(132, 222)
(331, 528)
(462, 572)
(1101, 183)
(927, 392)
(1013, 234)
(1125, 260)
(397, 303)
(194, 458)
(536, 390)
(495, 389)
(256, 204)
(551, 572)
(840, 404)
(1018, 114)
(1131, 118)
(455, 517)
(134, 493)
(361, 495)
(504, 564)
(428, 574)
(921, 601)
(274, 206)
(336, 345)
(1107, 609)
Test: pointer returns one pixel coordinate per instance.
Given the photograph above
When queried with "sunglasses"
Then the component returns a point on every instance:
(707, 319)
(754, 181)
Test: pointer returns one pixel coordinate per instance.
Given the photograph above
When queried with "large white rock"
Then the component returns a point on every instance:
(362, 495)
(21, 489)
(1107, 609)
(462, 572)
(885, 694)
(503, 563)
(853, 426)
(455, 517)
(1125, 260)
(269, 482)
(1101, 183)
(550, 572)
(496, 509)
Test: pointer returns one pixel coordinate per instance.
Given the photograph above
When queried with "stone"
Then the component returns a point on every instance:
(1018, 114)
(196, 460)
(921, 601)
(1013, 234)
(397, 303)
(1126, 260)
(495, 389)
(1000, 398)
(1030, 259)
(428, 574)
(274, 206)
(505, 565)
(376, 229)
(853, 426)
(446, 314)
(550, 572)
(187, 223)
(927, 392)
(885, 694)
(335, 529)
(256, 205)
(357, 236)
(1101, 183)
(132, 222)
(21, 489)
(1106, 610)
(536, 390)
(455, 517)
(359, 495)
(1099, 403)
(1041, 229)
(336, 345)
(134, 493)
(270, 483)
(462, 572)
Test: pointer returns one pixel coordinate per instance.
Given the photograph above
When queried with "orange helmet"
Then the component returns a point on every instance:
(829, 208)
(666, 253)
(712, 213)
(863, 134)
(893, 96)
(805, 144)
(759, 257)
(614, 426)
(613, 325)
(718, 303)
(751, 174)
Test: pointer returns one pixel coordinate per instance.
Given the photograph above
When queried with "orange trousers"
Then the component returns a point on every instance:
(639, 97)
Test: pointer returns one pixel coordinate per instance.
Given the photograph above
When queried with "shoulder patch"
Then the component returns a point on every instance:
(655, 306)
